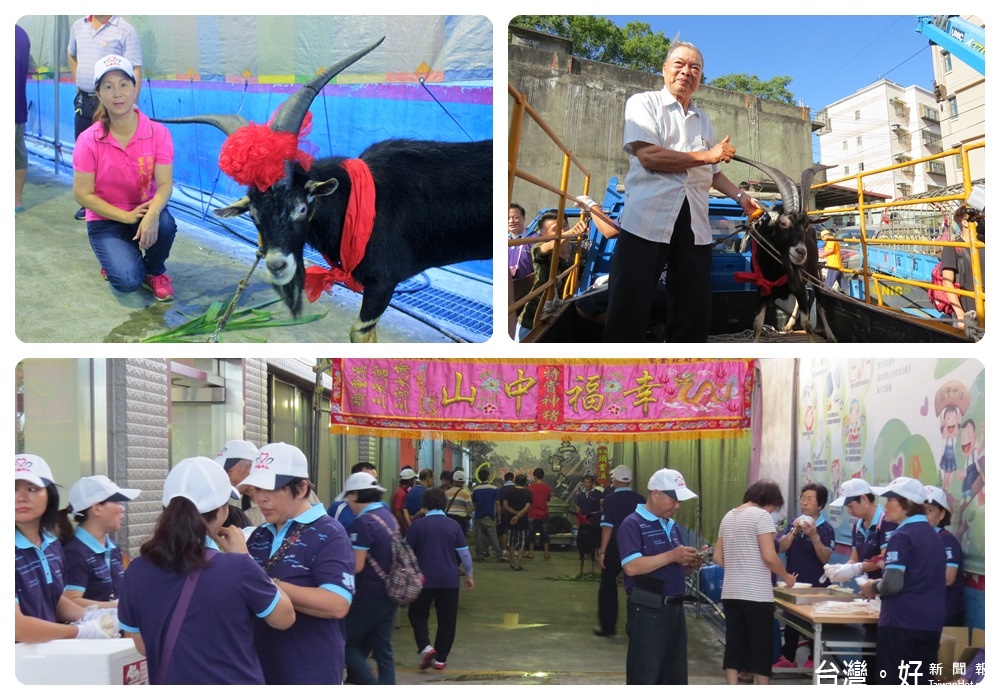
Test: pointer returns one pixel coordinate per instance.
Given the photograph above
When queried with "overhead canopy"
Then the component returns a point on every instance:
(646, 399)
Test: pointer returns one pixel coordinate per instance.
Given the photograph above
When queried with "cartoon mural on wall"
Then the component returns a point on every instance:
(879, 419)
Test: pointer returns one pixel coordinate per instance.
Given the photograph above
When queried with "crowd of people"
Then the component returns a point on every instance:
(305, 596)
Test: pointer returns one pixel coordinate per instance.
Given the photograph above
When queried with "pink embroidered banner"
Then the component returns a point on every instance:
(409, 396)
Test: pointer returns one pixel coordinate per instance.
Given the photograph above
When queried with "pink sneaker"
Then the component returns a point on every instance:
(783, 663)
(427, 657)
(440, 665)
(160, 286)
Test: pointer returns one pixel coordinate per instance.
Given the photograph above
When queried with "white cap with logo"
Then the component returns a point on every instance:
(852, 488)
(32, 468)
(113, 62)
(407, 474)
(276, 465)
(91, 490)
(236, 449)
(359, 482)
(670, 480)
(201, 481)
(936, 496)
(903, 487)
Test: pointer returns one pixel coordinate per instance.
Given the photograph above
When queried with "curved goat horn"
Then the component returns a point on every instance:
(227, 123)
(785, 185)
(808, 175)
(289, 116)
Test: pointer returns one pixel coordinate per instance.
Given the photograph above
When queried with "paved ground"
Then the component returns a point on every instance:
(60, 296)
(535, 627)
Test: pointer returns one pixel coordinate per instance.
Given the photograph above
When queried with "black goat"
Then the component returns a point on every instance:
(431, 202)
(784, 253)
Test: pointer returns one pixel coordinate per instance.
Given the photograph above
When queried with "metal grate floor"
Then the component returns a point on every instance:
(461, 316)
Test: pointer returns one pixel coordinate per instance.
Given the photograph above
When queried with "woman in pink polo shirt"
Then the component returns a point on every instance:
(123, 176)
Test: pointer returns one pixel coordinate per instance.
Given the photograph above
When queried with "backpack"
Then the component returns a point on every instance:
(404, 581)
(938, 297)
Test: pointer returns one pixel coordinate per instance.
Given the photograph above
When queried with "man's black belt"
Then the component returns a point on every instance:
(673, 600)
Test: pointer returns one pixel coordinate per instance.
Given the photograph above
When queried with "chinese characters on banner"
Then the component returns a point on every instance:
(629, 397)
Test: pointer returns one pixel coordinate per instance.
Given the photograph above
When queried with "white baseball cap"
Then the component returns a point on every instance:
(201, 481)
(277, 464)
(113, 62)
(670, 480)
(236, 449)
(458, 477)
(359, 482)
(622, 473)
(937, 496)
(32, 468)
(407, 474)
(851, 489)
(91, 490)
(903, 487)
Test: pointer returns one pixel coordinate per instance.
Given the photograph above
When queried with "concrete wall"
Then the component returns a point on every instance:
(584, 103)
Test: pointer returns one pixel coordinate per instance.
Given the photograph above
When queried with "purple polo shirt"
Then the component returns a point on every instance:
(589, 504)
(801, 556)
(369, 536)
(869, 543)
(39, 575)
(519, 257)
(413, 496)
(311, 650)
(642, 534)
(954, 559)
(618, 505)
(123, 177)
(215, 642)
(916, 549)
(22, 57)
(436, 540)
(93, 568)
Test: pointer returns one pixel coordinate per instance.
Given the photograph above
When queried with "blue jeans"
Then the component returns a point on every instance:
(126, 265)
(369, 630)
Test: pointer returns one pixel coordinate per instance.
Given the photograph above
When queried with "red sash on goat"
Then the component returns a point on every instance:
(756, 276)
(359, 220)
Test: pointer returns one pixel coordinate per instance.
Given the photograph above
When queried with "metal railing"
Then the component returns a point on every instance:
(876, 282)
(571, 276)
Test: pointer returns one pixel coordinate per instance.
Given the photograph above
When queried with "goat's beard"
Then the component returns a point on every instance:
(291, 291)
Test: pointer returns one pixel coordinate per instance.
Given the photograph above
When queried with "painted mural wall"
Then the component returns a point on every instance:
(880, 419)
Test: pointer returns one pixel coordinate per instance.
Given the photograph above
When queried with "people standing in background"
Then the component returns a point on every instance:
(436, 541)
(235, 457)
(406, 479)
(94, 568)
(538, 513)
(745, 549)
(586, 504)
(938, 515)
(40, 607)
(23, 64)
(338, 509)
(192, 597)
(370, 620)
(487, 508)
(90, 38)
(807, 544)
(912, 589)
(617, 505)
(308, 554)
(460, 507)
(655, 560)
(516, 503)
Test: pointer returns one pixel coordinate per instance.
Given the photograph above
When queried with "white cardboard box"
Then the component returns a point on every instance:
(80, 662)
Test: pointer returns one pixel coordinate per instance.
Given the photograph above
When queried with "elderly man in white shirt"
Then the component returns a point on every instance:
(674, 159)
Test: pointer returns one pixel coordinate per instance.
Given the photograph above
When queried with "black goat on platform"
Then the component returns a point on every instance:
(784, 253)
(431, 201)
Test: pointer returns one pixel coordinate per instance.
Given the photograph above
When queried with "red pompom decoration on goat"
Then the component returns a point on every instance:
(255, 155)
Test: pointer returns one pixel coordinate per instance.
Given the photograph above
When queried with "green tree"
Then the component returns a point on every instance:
(634, 46)
(774, 89)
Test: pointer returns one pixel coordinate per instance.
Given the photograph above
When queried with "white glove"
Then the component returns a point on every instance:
(839, 573)
(586, 201)
(99, 628)
(93, 612)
